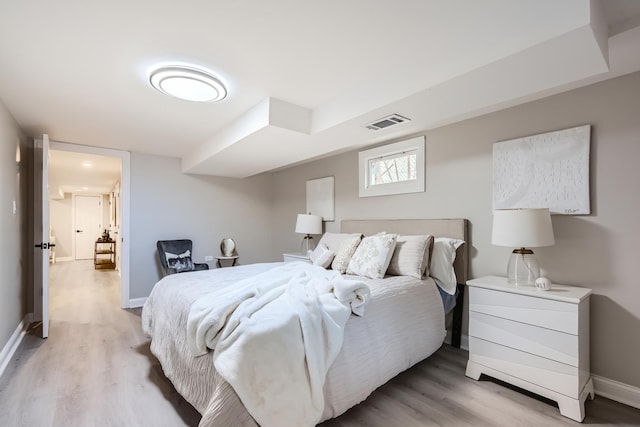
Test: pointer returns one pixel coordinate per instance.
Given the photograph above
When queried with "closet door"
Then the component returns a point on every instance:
(88, 224)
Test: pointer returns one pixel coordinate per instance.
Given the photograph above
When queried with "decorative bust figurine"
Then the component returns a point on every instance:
(227, 246)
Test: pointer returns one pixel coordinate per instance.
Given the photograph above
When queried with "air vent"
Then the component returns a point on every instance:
(385, 122)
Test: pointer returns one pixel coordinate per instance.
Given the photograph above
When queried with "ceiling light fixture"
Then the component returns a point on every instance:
(187, 83)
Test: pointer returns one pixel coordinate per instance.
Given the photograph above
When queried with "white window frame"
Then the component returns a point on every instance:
(367, 189)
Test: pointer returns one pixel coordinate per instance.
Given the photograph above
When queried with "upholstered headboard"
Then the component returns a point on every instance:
(454, 228)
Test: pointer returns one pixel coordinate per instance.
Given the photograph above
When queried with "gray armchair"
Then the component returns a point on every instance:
(176, 257)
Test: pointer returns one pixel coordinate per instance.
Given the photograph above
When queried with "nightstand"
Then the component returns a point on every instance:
(536, 340)
(292, 257)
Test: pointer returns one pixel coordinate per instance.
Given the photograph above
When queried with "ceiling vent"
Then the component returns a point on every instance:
(385, 122)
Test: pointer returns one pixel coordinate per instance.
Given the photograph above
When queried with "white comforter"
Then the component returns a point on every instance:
(403, 324)
(274, 337)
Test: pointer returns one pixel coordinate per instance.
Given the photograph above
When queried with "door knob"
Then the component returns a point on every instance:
(78, 231)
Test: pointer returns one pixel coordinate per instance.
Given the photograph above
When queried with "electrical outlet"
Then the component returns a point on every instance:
(208, 258)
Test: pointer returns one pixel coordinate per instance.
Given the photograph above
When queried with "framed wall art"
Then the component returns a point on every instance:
(320, 197)
(550, 170)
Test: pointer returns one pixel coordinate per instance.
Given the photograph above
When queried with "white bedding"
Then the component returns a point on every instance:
(403, 324)
(276, 334)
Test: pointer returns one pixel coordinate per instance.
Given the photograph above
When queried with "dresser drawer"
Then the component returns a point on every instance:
(547, 343)
(546, 373)
(546, 313)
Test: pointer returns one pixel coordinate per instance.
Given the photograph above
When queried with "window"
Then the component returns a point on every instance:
(393, 168)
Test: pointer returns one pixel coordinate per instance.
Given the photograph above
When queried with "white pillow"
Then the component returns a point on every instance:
(373, 255)
(322, 256)
(345, 252)
(444, 254)
(411, 256)
(333, 240)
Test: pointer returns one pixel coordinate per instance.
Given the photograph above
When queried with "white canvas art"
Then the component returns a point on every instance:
(547, 170)
(320, 197)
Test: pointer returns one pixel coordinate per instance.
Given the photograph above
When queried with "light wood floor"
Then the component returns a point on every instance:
(95, 369)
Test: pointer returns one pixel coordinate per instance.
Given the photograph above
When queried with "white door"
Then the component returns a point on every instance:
(41, 234)
(88, 224)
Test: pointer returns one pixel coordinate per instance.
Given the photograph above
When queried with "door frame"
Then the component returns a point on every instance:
(125, 183)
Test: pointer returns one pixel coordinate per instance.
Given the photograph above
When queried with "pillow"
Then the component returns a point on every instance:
(181, 262)
(345, 252)
(372, 256)
(444, 254)
(322, 256)
(411, 256)
(333, 240)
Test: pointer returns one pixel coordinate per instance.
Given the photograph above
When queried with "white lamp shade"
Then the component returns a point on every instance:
(309, 224)
(522, 228)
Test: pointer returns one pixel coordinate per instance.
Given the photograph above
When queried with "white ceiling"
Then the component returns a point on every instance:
(71, 172)
(304, 78)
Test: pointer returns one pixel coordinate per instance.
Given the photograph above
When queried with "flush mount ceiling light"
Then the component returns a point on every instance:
(187, 83)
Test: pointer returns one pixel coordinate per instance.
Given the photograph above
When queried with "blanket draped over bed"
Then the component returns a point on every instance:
(275, 336)
(403, 324)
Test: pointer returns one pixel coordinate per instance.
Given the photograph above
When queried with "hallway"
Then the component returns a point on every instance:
(95, 369)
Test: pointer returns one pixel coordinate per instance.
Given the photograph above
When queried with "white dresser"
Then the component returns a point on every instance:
(537, 340)
(292, 257)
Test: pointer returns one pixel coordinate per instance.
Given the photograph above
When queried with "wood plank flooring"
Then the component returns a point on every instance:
(95, 369)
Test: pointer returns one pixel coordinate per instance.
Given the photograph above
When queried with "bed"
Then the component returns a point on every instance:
(403, 323)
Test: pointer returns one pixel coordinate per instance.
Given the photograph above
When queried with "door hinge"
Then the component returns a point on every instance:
(41, 292)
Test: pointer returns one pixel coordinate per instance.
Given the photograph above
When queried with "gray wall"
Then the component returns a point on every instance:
(166, 204)
(598, 251)
(13, 280)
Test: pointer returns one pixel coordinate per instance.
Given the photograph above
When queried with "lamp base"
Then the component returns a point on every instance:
(523, 268)
(307, 244)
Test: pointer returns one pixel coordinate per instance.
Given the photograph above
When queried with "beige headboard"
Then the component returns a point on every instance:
(454, 228)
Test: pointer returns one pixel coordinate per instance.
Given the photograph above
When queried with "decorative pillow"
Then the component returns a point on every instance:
(372, 256)
(344, 253)
(333, 240)
(444, 254)
(411, 256)
(322, 256)
(181, 262)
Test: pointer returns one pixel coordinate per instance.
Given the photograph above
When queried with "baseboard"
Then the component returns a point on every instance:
(614, 390)
(14, 341)
(137, 302)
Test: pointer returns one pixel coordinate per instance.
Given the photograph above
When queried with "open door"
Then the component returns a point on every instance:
(41, 233)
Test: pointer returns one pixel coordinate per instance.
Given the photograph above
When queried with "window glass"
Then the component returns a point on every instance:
(393, 168)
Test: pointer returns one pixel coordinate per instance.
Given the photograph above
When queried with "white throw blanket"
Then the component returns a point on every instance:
(275, 336)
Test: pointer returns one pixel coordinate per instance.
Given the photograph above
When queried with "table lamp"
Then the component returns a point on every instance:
(522, 229)
(308, 224)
